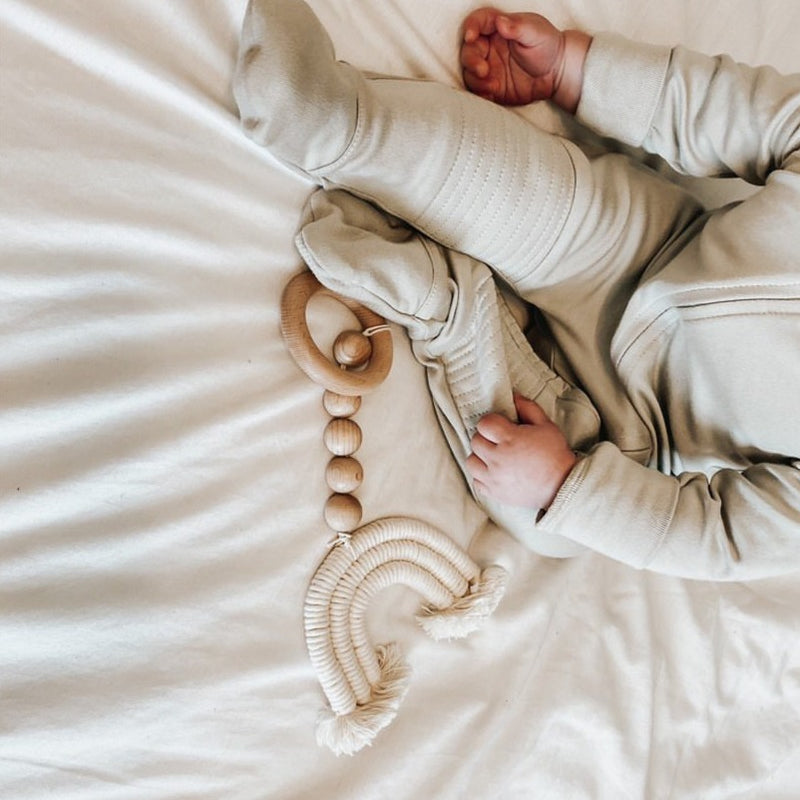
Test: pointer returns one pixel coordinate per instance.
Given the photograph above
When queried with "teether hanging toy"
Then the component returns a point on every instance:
(364, 685)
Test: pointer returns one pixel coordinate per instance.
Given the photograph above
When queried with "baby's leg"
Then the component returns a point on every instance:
(568, 233)
(467, 173)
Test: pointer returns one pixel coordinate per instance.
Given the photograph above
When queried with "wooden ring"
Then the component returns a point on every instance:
(308, 356)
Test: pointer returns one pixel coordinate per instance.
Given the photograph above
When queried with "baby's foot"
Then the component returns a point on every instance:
(294, 97)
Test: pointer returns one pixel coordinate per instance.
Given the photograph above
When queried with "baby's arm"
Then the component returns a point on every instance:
(515, 59)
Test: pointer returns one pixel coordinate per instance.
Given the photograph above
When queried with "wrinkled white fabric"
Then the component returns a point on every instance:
(162, 467)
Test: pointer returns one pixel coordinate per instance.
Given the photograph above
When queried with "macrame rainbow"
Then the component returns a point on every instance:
(365, 685)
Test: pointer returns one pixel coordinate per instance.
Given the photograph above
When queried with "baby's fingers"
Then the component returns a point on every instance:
(473, 58)
(481, 22)
(482, 87)
(479, 473)
(476, 71)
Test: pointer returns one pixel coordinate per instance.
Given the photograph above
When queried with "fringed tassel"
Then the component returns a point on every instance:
(466, 614)
(346, 734)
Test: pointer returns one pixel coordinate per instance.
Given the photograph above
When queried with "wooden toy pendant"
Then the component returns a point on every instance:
(364, 685)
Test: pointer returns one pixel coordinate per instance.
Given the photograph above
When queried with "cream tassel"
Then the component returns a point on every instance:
(467, 613)
(346, 734)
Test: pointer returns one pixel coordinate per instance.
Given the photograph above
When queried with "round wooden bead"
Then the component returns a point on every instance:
(344, 474)
(340, 405)
(342, 512)
(352, 348)
(342, 437)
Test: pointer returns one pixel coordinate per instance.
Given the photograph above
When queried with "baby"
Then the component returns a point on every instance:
(681, 326)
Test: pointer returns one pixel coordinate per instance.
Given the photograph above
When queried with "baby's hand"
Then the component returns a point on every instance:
(521, 465)
(515, 59)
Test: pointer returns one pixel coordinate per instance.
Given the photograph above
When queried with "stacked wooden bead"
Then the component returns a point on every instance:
(344, 474)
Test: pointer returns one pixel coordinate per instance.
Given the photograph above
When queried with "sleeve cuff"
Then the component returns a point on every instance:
(622, 83)
(614, 505)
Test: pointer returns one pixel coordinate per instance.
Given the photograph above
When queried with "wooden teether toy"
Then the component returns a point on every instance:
(308, 356)
(360, 369)
(364, 685)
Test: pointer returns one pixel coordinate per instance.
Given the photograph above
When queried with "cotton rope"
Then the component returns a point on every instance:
(347, 666)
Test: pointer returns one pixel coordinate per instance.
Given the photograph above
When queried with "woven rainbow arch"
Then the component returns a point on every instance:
(365, 685)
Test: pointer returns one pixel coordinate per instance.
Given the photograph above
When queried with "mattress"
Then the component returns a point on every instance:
(163, 465)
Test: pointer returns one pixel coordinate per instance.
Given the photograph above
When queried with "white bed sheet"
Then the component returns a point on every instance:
(162, 471)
